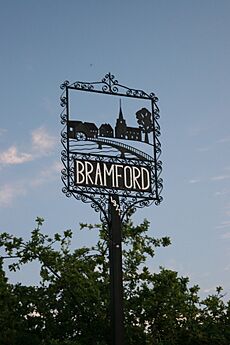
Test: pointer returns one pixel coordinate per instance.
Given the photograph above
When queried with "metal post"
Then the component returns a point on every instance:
(115, 261)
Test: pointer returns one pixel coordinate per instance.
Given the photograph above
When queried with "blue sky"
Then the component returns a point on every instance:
(179, 50)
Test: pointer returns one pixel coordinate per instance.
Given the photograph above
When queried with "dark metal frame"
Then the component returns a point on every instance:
(129, 200)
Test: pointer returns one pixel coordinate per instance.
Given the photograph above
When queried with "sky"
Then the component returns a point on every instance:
(177, 49)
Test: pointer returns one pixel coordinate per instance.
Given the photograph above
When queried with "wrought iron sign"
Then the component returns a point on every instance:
(102, 160)
(113, 166)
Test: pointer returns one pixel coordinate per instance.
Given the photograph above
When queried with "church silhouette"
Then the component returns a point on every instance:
(82, 130)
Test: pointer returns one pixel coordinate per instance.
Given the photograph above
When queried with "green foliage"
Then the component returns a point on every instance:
(71, 304)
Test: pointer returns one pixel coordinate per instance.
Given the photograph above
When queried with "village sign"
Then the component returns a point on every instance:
(132, 173)
(114, 168)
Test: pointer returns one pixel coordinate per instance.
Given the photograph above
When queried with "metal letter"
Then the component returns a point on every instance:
(98, 175)
(143, 187)
(80, 172)
(135, 177)
(88, 172)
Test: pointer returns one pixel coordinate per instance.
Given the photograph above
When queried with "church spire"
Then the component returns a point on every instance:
(120, 113)
(120, 128)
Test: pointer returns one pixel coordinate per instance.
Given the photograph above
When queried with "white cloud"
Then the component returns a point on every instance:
(12, 156)
(209, 290)
(220, 177)
(46, 175)
(222, 192)
(224, 224)
(9, 192)
(227, 212)
(43, 143)
(227, 268)
(224, 140)
(194, 181)
(226, 235)
(204, 149)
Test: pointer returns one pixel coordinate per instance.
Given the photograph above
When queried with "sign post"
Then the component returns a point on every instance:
(116, 169)
(115, 263)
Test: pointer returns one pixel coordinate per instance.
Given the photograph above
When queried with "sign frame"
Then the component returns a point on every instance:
(129, 200)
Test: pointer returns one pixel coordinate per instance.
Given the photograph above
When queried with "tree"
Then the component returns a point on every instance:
(7, 318)
(145, 122)
(71, 304)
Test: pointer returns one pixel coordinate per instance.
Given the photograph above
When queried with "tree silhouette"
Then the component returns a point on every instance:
(70, 305)
(145, 122)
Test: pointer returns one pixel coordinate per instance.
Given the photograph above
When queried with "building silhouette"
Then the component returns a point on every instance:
(82, 130)
(89, 129)
(123, 131)
(106, 130)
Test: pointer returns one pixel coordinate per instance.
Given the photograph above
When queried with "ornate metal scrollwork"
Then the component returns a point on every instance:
(86, 143)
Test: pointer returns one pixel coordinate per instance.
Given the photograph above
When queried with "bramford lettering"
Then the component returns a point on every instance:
(111, 175)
